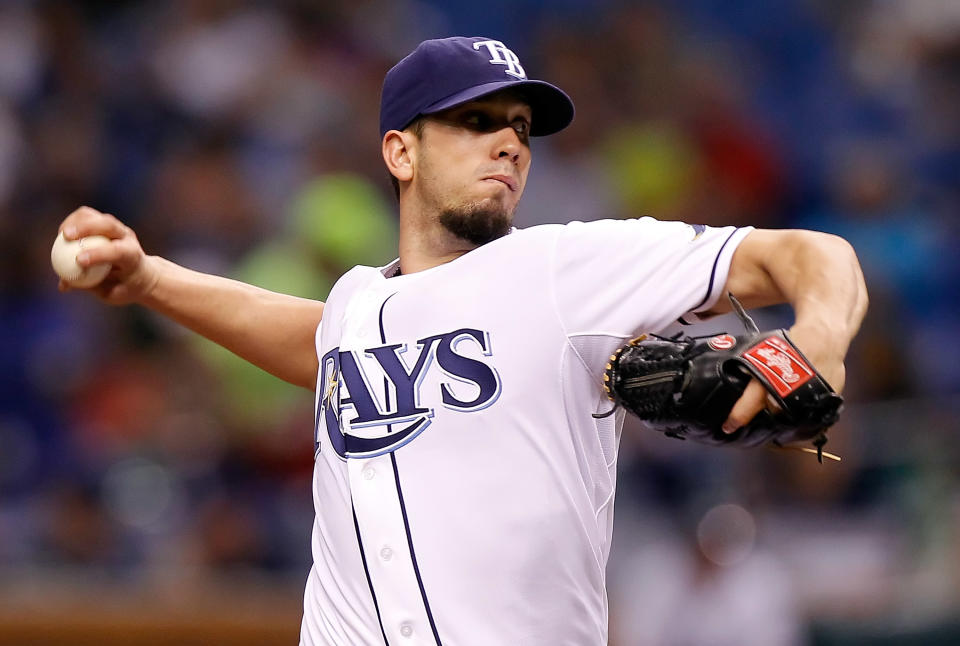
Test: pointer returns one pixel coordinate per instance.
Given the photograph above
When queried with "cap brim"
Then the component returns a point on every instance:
(551, 107)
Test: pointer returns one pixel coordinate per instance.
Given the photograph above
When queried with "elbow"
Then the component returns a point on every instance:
(841, 254)
(826, 249)
(863, 298)
(831, 244)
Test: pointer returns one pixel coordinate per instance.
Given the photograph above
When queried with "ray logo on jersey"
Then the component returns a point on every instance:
(376, 400)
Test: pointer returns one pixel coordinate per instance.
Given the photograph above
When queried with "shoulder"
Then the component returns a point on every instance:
(629, 235)
(354, 279)
(598, 228)
(645, 224)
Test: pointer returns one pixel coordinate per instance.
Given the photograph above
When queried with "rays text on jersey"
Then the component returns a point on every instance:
(375, 399)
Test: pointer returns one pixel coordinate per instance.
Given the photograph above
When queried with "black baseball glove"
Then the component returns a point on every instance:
(686, 386)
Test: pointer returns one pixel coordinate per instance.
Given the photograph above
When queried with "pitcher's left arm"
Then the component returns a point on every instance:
(820, 276)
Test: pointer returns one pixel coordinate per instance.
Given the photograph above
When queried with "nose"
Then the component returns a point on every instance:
(508, 145)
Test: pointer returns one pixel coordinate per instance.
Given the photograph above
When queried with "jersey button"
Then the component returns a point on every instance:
(368, 473)
(406, 629)
(386, 554)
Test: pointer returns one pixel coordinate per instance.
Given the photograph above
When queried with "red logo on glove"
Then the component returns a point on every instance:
(722, 342)
(780, 364)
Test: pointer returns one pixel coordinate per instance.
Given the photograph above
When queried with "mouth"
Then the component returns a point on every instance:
(510, 182)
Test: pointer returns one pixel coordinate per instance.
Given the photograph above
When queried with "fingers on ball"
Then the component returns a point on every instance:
(86, 221)
(110, 253)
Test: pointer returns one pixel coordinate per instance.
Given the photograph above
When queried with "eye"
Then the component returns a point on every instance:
(478, 121)
(522, 126)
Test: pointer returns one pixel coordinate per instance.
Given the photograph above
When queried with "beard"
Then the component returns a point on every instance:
(478, 224)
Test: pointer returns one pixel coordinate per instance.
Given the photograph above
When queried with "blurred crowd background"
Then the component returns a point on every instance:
(155, 489)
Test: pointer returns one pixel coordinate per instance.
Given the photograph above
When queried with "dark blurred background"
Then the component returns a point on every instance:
(155, 490)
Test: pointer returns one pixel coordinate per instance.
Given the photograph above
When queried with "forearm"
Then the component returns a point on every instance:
(816, 273)
(273, 331)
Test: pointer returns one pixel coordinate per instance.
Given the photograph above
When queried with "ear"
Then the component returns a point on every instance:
(397, 154)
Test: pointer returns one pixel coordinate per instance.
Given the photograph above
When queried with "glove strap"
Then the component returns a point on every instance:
(748, 323)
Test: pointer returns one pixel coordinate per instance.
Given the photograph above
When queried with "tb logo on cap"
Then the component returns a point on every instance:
(500, 54)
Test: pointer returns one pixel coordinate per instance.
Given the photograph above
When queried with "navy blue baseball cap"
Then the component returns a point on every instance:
(443, 73)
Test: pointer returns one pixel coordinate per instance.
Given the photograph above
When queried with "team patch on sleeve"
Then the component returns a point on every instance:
(698, 230)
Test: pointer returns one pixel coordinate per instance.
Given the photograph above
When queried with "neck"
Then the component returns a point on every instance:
(426, 248)
(424, 243)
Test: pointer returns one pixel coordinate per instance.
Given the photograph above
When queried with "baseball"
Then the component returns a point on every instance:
(63, 257)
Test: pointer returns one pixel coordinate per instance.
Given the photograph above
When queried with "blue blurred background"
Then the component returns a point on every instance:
(155, 490)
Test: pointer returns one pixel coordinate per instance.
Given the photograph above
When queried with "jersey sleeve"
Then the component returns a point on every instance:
(624, 277)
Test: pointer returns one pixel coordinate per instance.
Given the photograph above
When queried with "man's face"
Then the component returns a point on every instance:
(472, 165)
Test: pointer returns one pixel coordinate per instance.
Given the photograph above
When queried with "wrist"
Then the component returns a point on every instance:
(149, 291)
(822, 348)
(828, 339)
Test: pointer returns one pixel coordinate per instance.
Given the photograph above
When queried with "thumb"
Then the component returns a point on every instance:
(751, 402)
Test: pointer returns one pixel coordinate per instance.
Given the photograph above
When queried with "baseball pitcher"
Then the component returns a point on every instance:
(465, 448)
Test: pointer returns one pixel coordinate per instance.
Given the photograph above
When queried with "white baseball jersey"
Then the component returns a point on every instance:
(463, 490)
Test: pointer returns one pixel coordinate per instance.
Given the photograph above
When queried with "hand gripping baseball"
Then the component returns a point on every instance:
(132, 275)
(685, 387)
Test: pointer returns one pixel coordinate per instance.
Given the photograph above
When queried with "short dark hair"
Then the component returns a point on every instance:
(416, 127)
